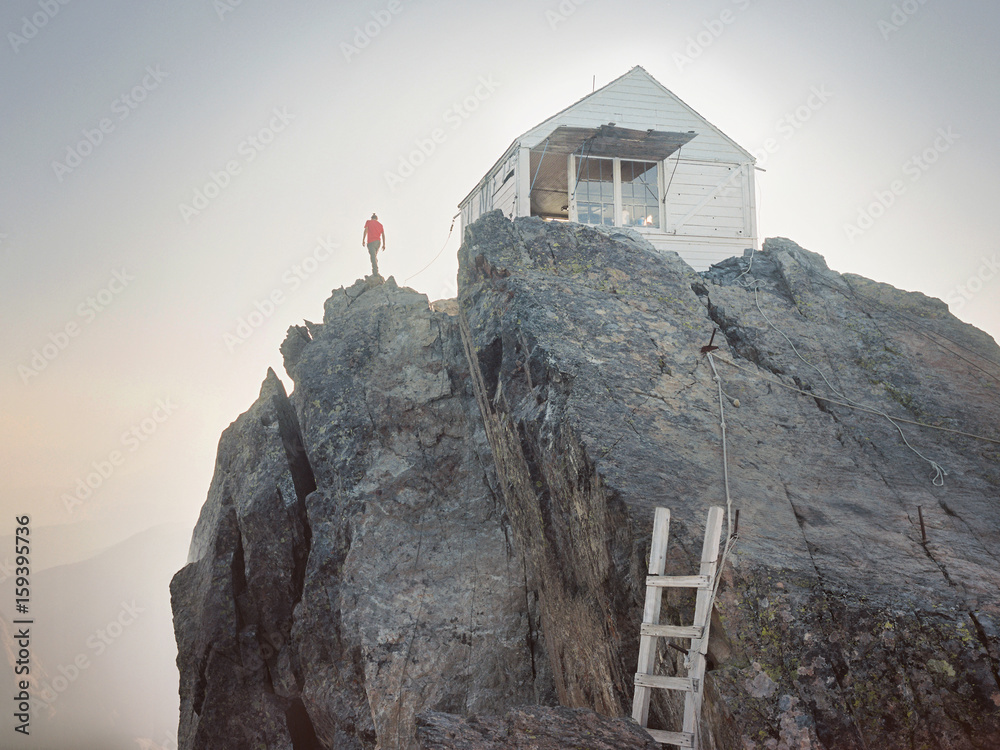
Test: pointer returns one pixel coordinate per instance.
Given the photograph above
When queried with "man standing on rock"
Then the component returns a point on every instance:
(373, 236)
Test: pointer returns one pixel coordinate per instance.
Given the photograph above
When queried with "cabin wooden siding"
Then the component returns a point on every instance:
(505, 186)
(697, 252)
(709, 208)
(499, 189)
(707, 199)
(637, 101)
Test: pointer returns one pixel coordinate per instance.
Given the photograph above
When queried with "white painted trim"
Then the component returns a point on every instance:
(694, 160)
(616, 178)
(571, 187)
(745, 169)
(524, 181)
(661, 186)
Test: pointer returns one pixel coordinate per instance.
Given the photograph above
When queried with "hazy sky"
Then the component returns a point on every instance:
(168, 169)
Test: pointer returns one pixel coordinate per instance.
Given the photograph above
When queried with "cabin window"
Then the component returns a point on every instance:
(616, 192)
(595, 191)
(640, 188)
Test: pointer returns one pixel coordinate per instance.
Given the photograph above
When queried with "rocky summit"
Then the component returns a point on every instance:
(440, 539)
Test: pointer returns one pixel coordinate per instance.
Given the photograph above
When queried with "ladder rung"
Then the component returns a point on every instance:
(671, 631)
(681, 739)
(666, 683)
(679, 582)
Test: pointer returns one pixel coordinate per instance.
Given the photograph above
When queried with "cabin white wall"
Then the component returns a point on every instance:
(708, 199)
(497, 190)
(504, 183)
(697, 252)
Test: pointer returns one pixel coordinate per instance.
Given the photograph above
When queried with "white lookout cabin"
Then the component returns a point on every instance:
(631, 154)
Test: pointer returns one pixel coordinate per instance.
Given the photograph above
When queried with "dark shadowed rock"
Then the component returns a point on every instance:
(450, 515)
(531, 728)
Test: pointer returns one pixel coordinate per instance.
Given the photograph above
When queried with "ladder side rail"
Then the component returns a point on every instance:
(651, 613)
(702, 619)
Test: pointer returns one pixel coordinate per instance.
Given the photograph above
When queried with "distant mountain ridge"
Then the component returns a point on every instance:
(101, 644)
(65, 544)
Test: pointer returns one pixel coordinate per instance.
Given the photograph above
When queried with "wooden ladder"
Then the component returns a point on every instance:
(693, 684)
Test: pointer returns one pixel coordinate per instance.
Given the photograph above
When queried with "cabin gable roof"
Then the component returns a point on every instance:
(643, 103)
(642, 82)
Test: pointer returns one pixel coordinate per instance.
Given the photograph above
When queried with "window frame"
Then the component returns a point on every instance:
(579, 179)
(574, 215)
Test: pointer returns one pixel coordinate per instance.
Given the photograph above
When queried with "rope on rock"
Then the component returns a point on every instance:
(813, 394)
(939, 472)
(731, 535)
(915, 325)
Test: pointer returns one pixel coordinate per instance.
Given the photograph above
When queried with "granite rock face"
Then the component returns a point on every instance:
(450, 515)
(406, 589)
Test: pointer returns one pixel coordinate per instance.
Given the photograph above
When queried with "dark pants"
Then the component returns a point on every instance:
(373, 252)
